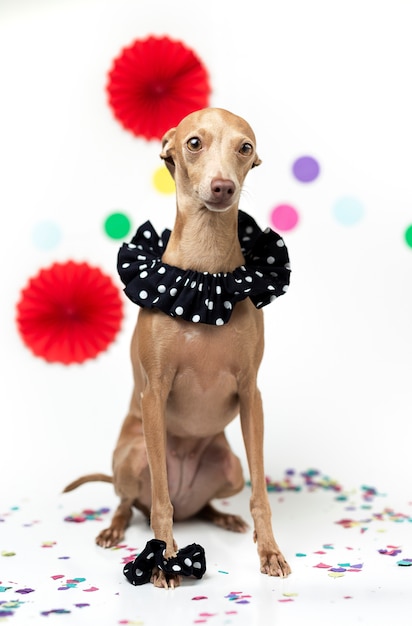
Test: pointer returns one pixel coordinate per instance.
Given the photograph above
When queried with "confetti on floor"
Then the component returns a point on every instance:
(86, 515)
(53, 576)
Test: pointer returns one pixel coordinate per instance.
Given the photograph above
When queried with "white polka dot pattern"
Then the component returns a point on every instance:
(200, 297)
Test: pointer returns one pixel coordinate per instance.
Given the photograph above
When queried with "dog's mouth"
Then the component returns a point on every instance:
(218, 207)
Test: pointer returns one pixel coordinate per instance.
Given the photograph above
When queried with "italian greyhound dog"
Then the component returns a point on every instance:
(172, 457)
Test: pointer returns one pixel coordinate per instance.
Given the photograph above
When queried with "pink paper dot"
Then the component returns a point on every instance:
(284, 217)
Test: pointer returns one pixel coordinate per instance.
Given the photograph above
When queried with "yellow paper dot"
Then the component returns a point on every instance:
(162, 180)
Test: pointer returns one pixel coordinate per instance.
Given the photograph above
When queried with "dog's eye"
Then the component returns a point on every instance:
(246, 149)
(194, 144)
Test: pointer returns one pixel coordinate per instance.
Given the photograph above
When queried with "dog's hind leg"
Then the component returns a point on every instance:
(111, 536)
(131, 480)
(228, 521)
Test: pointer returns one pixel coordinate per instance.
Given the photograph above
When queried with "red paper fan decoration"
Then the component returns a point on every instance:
(69, 312)
(154, 83)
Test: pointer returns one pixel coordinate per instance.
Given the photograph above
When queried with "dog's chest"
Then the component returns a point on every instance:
(204, 394)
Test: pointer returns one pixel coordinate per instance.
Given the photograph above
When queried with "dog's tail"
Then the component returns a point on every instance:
(89, 478)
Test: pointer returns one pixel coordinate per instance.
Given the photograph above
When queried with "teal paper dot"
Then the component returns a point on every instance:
(46, 235)
(117, 225)
(348, 211)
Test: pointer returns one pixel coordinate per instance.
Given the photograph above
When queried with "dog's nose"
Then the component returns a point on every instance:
(222, 189)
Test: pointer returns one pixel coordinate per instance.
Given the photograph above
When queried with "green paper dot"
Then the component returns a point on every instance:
(408, 236)
(117, 225)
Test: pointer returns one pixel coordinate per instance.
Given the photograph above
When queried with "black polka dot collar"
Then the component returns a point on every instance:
(201, 297)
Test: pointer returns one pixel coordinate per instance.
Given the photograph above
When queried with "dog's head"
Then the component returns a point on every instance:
(207, 147)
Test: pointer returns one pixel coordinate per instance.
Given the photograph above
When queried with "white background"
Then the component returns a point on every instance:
(328, 79)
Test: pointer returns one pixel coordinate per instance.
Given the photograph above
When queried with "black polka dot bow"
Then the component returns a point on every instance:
(189, 561)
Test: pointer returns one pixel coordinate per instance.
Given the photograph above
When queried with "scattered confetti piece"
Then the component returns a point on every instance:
(48, 544)
(75, 580)
(24, 590)
(281, 485)
(314, 481)
(340, 569)
(62, 611)
(10, 604)
(200, 598)
(92, 589)
(238, 597)
(386, 515)
(71, 583)
(405, 562)
(87, 514)
(129, 558)
(6, 553)
(390, 551)
(369, 493)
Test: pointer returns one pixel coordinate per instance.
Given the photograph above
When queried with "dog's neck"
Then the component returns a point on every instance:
(205, 241)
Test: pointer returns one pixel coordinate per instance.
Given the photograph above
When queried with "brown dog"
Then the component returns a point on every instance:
(191, 379)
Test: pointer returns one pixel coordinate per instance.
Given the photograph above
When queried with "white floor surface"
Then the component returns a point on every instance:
(52, 572)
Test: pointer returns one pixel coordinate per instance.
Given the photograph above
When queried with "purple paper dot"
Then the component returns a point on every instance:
(306, 169)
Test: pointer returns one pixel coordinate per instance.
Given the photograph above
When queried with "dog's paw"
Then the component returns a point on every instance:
(274, 564)
(234, 523)
(109, 537)
(165, 581)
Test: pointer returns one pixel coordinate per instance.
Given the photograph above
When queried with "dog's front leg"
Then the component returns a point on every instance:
(272, 561)
(153, 409)
(161, 515)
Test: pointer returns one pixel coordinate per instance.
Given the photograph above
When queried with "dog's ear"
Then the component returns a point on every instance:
(256, 161)
(167, 152)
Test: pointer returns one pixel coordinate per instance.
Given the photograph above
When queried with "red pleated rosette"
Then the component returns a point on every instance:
(69, 312)
(154, 83)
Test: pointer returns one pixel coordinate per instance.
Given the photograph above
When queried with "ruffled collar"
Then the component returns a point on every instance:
(201, 297)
